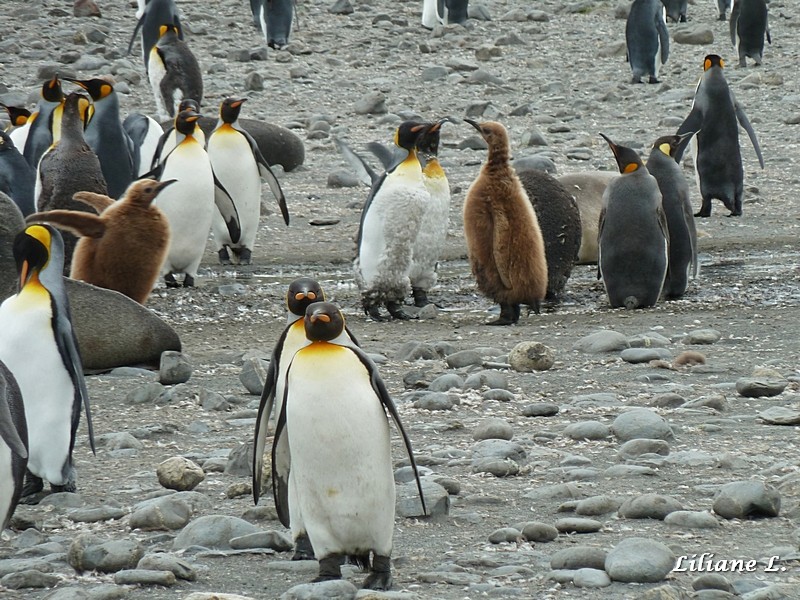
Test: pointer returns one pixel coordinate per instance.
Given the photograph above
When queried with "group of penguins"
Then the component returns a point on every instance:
(523, 233)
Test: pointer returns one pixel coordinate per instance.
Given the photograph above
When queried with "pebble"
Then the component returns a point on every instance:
(635, 449)
(254, 375)
(540, 409)
(505, 534)
(639, 560)
(446, 382)
(497, 467)
(240, 460)
(700, 337)
(212, 531)
(408, 504)
(263, 539)
(492, 379)
(644, 355)
(411, 351)
(338, 589)
(96, 515)
(88, 552)
(591, 578)
(649, 506)
(696, 35)
(180, 474)
(641, 423)
(167, 562)
(497, 449)
(165, 513)
(751, 387)
(536, 161)
(30, 579)
(373, 103)
(435, 401)
(493, 429)
(539, 532)
(498, 395)
(174, 368)
(649, 340)
(578, 525)
(579, 557)
(602, 341)
(700, 519)
(587, 430)
(747, 499)
(463, 358)
(343, 178)
(527, 357)
(712, 581)
(144, 577)
(145, 394)
(596, 505)
(780, 415)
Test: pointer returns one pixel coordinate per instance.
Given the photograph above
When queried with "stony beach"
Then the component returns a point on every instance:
(657, 458)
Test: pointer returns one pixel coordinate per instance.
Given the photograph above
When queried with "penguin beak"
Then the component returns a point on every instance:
(162, 184)
(23, 274)
(238, 103)
(77, 82)
(319, 315)
(474, 124)
(612, 145)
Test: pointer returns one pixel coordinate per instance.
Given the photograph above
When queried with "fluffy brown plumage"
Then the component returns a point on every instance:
(505, 244)
(124, 246)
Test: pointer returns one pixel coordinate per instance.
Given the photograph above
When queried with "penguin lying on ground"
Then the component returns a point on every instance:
(647, 39)
(173, 72)
(749, 26)
(38, 339)
(338, 461)
(632, 234)
(504, 242)
(17, 177)
(13, 444)
(718, 158)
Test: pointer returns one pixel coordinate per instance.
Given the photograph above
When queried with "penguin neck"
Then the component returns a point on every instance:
(498, 159)
(71, 130)
(33, 288)
(433, 169)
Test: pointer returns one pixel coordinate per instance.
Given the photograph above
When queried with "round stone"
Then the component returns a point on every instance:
(531, 356)
(179, 473)
(639, 560)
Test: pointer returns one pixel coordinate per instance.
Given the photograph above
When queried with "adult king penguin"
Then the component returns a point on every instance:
(443, 12)
(189, 203)
(44, 124)
(151, 17)
(173, 72)
(17, 177)
(504, 242)
(724, 6)
(676, 10)
(144, 133)
(647, 39)
(678, 211)
(274, 18)
(390, 220)
(749, 26)
(13, 444)
(38, 339)
(718, 158)
(239, 166)
(170, 136)
(632, 234)
(339, 465)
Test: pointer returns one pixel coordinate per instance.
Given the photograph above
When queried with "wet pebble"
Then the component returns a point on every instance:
(639, 560)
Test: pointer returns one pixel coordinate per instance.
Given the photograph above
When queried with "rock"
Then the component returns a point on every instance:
(780, 415)
(174, 368)
(634, 449)
(664, 592)
(639, 560)
(165, 513)
(463, 358)
(537, 161)
(691, 519)
(263, 539)
(496, 466)
(702, 337)
(505, 534)
(167, 562)
(649, 506)
(591, 578)
(696, 35)
(498, 450)
(373, 103)
(31, 579)
(539, 532)
(326, 590)
(641, 423)
(752, 387)
(96, 515)
(643, 355)
(493, 429)
(492, 379)
(341, 7)
(212, 531)
(712, 581)
(601, 341)
(144, 577)
(435, 401)
(578, 525)
(145, 394)
(526, 357)
(240, 460)
(85, 8)
(587, 430)
(179, 473)
(89, 552)
(596, 505)
(411, 351)
(499, 395)
(648, 340)
(747, 499)
(407, 502)
(540, 409)
(446, 382)
(579, 557)
(254, 375)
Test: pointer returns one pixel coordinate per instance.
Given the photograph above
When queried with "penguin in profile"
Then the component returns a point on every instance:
(675, 10)
(17, 116)
(587, 189)
(144, 133)
(123, 247)
(724, 6)
(173, 72)
(444, 12)
(390, 220)
(504, 242)
(678, 212)
(13, 444)
(647, 39)
(70, 166)
(338, 461)
(45, 122)
(718, 158)
(106, 137)
(189, 203)
(170, 136)
(38, 339)
(632, 234)
(274, 19)
(749, 27)
(239, 166)
(152, 14)
(17, 177)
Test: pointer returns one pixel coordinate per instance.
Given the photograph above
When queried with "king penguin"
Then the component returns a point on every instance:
(274, 18)
(749, 27)
(17, 177)
(444, 12)
(105, 135)
(17, 116)
(173, 72)
(123, 247)
(678, 211)
(239, 166)
(338, 460)
(38, 339)
(647, 39)
(724, 6)
(170, 136)
(144, 133)
(45, 122)
(13, 444)
(390, 220)
(154, 14)
(632, 234)
(189, 203)
(675, 10)
(504, 242)
(718, 158)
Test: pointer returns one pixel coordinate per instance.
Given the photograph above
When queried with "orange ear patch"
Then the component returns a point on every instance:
(630, 168)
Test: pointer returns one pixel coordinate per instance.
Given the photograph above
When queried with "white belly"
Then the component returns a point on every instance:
(432, 234)
(341, 460)
(155, 73)
(29, 349)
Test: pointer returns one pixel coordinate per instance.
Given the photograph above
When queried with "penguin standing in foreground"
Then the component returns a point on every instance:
(724, 6)
(45, 123)
(678, 211)
(38, 339)
(153, 15)
(341, 481)
(504, 242)
(239, 166)
(144, 133)
(123, 247)
(189, 203)
(632, 234)
(718, 158)
(749, 26)
(69, 167)
(170, 137)
(106, 137)
(13, 445)
(17, 177)
(647, 39)
(173, 72)
(274, 18)
(676, 10)
(390, 220)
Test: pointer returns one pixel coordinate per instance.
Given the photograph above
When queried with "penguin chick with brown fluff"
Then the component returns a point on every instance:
(123, 247)
(505, 244)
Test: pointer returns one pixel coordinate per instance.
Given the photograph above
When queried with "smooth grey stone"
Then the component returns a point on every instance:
(446, 382)
(775, 591)
(453, 486)
(555, 491)
(644, 355)
(15, 565)
(696, 35)
(504, 534)
(498, 395)
(145, 394)
(28, 538)
(591, 578)
(537, 162)
(498, 450)
(407, 501)
(599, 399)
(143, 374)
(31, 579)
(212, 531)
(527, 357)
(161, 514)
(493, 429)
(578, 525)
(210, 400)
(448, 577)
(342, 178)
(89, 552)
(649, 506)
(561, 576)
(641, 423)
(180, 474)
(692, 519)
(596, 505)
(463, 358)
(628, 471)
(498, 467)
(664, 592)
(95, 515)
(752, 387)
(532, 137)
(72, 593)
(263, 539)
(144, 577)
(639, 560)
(406, 474)
(715, 401)
(539, 532)
(540, 409)
(434, 401)
(633, 449)
(668, 400)
(702, 337)
(743, 499)
(373, 103)
(167, 562)
(602, 341)
(579, 557)
(341, 7)
(712, 581)
(693, 458)
(254, 375)
(780, 415)
(587, 430)
(63, 500)
(240, 460)
(411, 351)
(120, 441)
(492, 379)
(649, 340)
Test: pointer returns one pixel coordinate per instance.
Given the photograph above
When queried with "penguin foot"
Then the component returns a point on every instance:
(396, 310)
(245, 256)
(169, 279)
(509, 315)
(276, 44)
(330, 568)
(188, 281)
(653, 79)
(375, 313)
(224, 257)
(722, 17)
(420, 297)
(380, 576)
(33, 485)
(303, 550)
(683, 19)
(636, 79)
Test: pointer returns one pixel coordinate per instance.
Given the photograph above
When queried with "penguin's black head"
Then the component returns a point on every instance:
(668, 144)
(32, 251)
(628, 160)
(323, 322)
(19, 116)
(185, 121)
(428, 141)
(713, 60)
(302, 293)
(169, 29)
(51, 90)
(97, 88)
(408, 133)
(230, 108)
(77, 105)
(189, 103)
